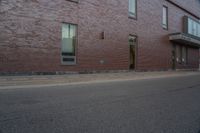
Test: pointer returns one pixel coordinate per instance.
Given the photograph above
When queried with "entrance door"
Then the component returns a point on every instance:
(132, 56)
(132, 48)
(174, 57)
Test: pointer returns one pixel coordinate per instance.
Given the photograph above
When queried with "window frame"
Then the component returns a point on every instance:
(199, 29)
(70, 57)
(130, 13)
(191, 26)
(165, 26)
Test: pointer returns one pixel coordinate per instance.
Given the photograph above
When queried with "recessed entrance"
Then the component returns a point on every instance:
(132, 57)
(132, 48)
(174, 57)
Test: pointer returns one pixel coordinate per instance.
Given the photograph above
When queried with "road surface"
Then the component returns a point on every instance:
(162, 105)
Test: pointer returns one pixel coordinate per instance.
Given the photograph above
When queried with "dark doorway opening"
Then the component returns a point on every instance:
(174, 57)
(132, 56)
(132, 48)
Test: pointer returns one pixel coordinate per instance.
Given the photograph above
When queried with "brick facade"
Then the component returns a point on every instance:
(30, 37)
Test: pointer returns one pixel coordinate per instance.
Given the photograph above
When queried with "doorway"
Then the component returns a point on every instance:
(174, 57)
(132, 56)
(132, 48)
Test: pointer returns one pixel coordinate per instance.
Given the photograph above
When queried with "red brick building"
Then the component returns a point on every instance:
(95, 35)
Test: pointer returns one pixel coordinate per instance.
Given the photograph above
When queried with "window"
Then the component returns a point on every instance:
(192, 27)
(132, 8)
(69, 39)
(165, 18)
(199, 30)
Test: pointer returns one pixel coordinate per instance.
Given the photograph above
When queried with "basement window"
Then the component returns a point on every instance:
(69, 40)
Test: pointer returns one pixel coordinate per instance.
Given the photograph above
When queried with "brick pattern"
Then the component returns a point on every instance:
(30, 37)
(191, 5)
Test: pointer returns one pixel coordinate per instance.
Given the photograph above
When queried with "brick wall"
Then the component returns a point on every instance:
(30, 37)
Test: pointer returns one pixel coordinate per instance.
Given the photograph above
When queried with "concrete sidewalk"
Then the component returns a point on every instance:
(54, 80)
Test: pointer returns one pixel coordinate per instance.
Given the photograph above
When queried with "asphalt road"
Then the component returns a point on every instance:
(165, 105)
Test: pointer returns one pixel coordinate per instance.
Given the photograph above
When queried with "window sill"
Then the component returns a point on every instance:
(165, 28)
(68, 64)
(132, 17)
(75, 1)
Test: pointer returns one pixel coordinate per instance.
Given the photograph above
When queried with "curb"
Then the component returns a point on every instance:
(93, 81)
